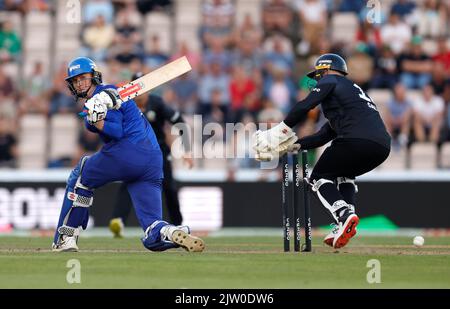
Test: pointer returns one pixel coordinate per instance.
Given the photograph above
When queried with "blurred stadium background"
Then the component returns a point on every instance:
(249, 58)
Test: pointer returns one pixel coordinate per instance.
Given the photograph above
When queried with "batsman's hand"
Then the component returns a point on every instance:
(95, 111)
(274, 140)
(111, 98)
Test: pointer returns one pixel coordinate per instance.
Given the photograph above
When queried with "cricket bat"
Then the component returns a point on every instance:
(152, 80)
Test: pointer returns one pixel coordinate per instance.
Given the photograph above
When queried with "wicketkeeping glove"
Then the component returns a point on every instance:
(271, 140)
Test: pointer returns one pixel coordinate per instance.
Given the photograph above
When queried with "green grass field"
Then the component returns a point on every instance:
(227, 262)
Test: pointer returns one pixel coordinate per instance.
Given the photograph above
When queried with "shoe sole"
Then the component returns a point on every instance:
(116, 229)
(348, 231)
(188, 242)
(328, 241)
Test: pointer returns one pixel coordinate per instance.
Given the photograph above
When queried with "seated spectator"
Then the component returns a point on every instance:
(398, 116)
(10, 43)
(243, 91)
(369, 35)
(277, 16)
(8, 148)
(443, 55)
(396, 34)
(415, 66)
(155, 56)
(360, 66)
(145, 6)
(185, 90)
(35, 91)
(354, 6)
(93, 8)
(61, 100)
(194, 58)
(214, 79)
(98, 37)
(280, 89)
(218, 54)
(403, 8)
(248, 31)
(8, 105)
(386, 69)
(248, 55)
(432, 19)
(428, 116)
(313, 17)
(217, 22)
(217, 109)
(127, 26)
(280, 54)
(439, 79)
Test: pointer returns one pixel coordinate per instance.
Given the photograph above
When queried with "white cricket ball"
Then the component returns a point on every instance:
(418, 241)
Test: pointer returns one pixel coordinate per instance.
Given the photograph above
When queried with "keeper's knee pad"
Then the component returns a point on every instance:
(77, 200)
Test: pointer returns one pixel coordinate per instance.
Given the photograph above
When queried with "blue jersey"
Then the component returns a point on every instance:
(128, 122)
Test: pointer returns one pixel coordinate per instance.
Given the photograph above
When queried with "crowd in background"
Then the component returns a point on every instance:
(244, 72)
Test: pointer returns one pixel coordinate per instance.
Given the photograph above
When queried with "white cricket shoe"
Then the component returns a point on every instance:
(67, 244)
(180, 236)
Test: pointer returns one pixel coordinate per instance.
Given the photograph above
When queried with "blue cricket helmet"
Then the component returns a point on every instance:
(82, 65)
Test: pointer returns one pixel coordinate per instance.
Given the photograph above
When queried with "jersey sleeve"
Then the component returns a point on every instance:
(323, 88)
(320, 138)
(113, 125)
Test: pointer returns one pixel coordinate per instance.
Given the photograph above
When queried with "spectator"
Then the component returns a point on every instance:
(415, 66)
(398, 117)
(439, 80)
(217, 22)
(313, 16)
(354, 6)
(218, 54)
(61, 100)
(248, 31)
(185, 89)
(93, 8)
(386, 69)
(248, 55)
(8, 106)
(98, 37)
(428, 116)
(432, 19)
(8, 149)
(243, 93)
(277, 16)
(369, 35)
(34, 98)
(403, 8)
(396, 34)
(360, 66)
(10, 44)
(193, 57)
(128, 22)
(155, 57)
(279, 55)
(145, 6)
(443, 55)
(215, 79)
(280, 89)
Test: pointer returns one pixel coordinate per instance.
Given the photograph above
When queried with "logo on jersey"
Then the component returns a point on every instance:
(316, 89)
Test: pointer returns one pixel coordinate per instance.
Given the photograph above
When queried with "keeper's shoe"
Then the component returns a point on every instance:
(188, 242)
(116, 227)
(67, 244)
(328, 240)
(347, 228)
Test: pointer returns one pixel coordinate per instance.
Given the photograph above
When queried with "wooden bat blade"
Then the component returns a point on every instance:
(154, 79)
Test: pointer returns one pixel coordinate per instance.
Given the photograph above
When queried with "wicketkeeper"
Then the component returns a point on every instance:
(359, 138)
(130, 154)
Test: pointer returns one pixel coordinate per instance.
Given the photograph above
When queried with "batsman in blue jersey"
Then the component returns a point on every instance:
(130, 154)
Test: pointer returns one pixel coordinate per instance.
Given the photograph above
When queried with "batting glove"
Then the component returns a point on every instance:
(95, 110)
